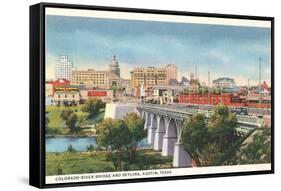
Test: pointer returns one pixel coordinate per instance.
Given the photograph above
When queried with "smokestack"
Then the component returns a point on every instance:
(196, 73)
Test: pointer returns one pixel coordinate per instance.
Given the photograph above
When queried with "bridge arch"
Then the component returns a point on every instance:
(172, 128)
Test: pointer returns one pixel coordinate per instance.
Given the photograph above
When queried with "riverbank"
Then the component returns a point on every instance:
(97, 161)
(56, 126)
(69, 136)
(65, 132)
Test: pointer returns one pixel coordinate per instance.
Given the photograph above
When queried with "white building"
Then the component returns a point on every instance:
(119, 110)
(114, 67)
(224, 83)
(64, 68)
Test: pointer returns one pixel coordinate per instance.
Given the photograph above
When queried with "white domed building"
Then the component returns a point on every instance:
(114, 67)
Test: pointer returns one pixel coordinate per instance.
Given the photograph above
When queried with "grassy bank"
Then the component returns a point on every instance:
(57, 126)
(86, 162)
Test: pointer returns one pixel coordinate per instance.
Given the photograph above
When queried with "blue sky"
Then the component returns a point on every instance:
(225, 51)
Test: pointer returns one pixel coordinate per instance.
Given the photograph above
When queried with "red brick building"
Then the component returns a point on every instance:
(212, 99)
(225, 99)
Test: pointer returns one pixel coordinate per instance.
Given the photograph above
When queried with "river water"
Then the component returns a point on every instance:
(60, 144)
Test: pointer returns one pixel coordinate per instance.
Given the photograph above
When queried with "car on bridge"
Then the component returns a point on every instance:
(240, 111)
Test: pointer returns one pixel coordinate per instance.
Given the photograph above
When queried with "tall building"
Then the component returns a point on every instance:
(91, 78)
(64, 68)
(148, 76)
(171, 70)
(223, 83)
(114, 67)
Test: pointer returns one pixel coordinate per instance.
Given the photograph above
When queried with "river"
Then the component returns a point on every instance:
(60, 144)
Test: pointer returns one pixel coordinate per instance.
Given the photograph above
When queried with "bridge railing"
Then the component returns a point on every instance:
(243, 119)
(250, 120)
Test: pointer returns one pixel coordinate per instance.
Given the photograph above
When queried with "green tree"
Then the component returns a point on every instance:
(135, 125)
(216, 91)
(93, 106)
(65, 114)
(47, 121)
(186, 90)
(70, 148)
(195, 137)
(221, 127)
(90, 148)
(212, 143)
(114, 87)
(59, 170)
(258, 151)
(114, 135)
(71, 122)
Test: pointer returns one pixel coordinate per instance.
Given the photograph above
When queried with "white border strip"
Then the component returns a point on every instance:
(107, 176)
(156, 17)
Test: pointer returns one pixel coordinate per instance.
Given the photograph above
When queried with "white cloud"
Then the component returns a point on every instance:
(219, 56)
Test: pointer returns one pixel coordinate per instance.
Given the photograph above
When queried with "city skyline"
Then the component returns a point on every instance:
(91, 42)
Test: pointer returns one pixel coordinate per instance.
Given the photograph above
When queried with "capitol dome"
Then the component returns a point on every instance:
(114, 67)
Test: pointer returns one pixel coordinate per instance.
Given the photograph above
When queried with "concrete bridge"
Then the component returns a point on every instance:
(164, 124)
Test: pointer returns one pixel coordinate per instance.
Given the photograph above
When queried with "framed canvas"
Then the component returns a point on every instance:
(132, 95)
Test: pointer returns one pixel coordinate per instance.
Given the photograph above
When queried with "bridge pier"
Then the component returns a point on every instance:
(152, 129)
(168, 145)
(169, 138)
(146, 125)
(181, 157)
(159, 133)
(147, 120)
(151, 135)
(158, 140)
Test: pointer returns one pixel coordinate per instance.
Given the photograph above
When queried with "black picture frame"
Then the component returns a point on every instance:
(37, 93)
